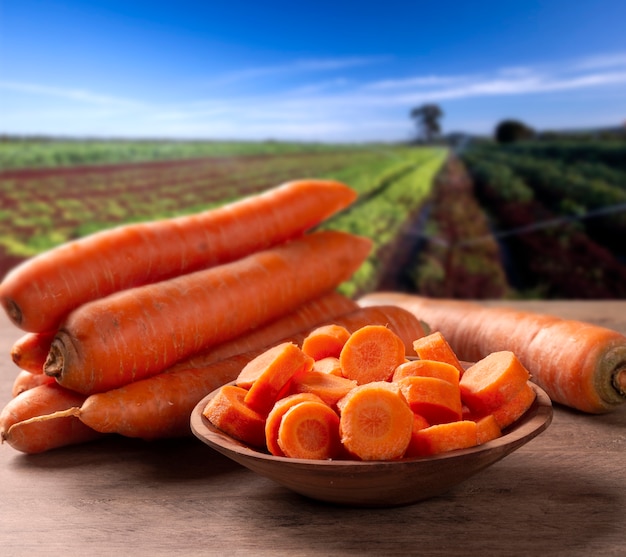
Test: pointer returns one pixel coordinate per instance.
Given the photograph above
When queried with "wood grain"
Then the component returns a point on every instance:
(562, 494)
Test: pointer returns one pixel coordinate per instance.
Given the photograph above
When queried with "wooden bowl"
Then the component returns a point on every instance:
(377, 483)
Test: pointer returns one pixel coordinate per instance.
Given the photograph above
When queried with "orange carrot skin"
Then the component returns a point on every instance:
(310, 314)
(137, 333)
(578, 364)
(36, 437)
(26, 380)
(30, 351)
(160, 406)
(77, 272)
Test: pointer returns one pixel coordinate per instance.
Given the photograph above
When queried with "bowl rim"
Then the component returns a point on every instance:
(534, 421)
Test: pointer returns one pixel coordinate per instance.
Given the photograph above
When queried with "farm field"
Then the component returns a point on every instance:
(43, 207)
(541, 219)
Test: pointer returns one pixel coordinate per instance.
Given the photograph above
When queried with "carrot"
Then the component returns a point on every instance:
(372, 354)
(375, 422)
(310, 430)
(160, 406)
(578, 364)
(142, 331)
(30, 351)
(419, 423)
(427, 368)
(515, 407)
(492, 381)
(487, 429)
(441, 438)
(310, 314)
(20, 428)
(64, 278)
(228, 411)
(437, 400)
(329, 365)
(26, 380)
(330, 388)
(272, 422)
(325, 341)
(272, 370)
(435, 347)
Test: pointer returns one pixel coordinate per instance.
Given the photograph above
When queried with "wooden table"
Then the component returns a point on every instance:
(564, 494)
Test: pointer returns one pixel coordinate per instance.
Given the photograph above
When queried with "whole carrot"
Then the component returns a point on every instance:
(160, 406)
(39, 293)
(578, 364)
(21, 428)
(142, 331)
(30, 351)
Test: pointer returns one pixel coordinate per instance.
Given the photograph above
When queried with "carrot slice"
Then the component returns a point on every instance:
(437, 400)
(441, 438)
(324, 341)
(435, 347)
(515, 407)
(329, 365)
(427, 368)
(272, 422)
(372, 353)
(376, 422)
(419, 423)
(310, 430)
(273, 369)
(492, 381)
(330, 388)
(228, 411)
(487, 429)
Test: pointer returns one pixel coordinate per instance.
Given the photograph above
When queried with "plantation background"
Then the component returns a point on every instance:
(533, 219)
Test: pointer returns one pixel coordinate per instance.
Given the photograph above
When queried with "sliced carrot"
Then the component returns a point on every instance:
(228, 412)
(427, 368)
(330, 388)
(324, 341)
(435, 347)
(487, 429)
(273, 369)
(492, 381)
(376, 422)
(26, 380)
(66, 277)
(515, 407)
(310, 430)
(442, 438)
(30, 351)
(419, 423)
(329, 365)
(272, 422)
(372, 353)
(437, 400)
(136, 333)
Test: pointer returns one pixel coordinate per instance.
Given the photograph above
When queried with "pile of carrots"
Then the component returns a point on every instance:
(355, 395)
(128, 329)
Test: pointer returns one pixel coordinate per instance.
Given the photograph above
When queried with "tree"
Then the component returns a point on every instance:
(427, 119)
(510, 131)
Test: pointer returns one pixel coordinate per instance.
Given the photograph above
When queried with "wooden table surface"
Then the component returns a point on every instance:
(564, 493)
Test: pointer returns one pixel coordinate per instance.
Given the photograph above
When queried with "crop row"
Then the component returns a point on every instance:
(540, 210)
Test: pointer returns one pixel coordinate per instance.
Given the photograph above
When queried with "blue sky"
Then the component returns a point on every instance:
(323, 71)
